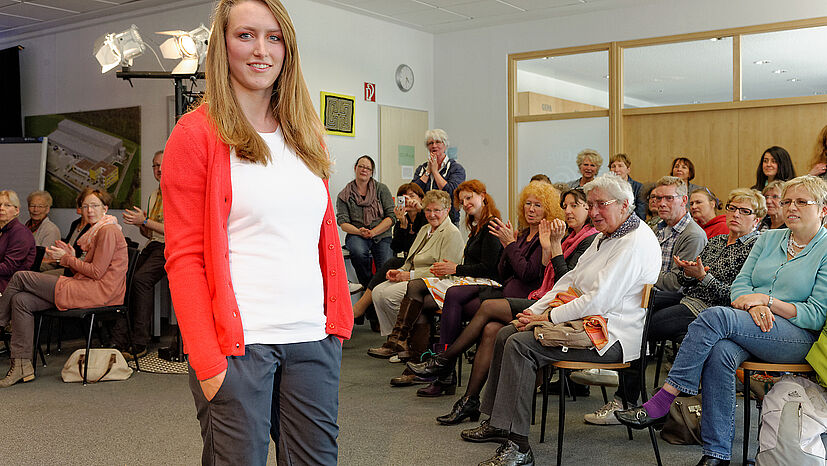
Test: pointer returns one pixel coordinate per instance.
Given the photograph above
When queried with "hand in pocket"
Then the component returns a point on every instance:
(211, 386)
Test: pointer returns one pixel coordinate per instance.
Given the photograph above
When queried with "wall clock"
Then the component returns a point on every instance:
(404, 77)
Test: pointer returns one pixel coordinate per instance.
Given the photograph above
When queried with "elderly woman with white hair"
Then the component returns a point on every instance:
(588, 162)
(610, 277)
(439, 172)
(779, 303)
(17, 248)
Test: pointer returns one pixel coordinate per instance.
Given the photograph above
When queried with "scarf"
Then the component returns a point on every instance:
(85, 241)
(569, 244)
(371, 208)
(33, 226)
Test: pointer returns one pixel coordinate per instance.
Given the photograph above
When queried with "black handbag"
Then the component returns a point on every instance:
(683, 426)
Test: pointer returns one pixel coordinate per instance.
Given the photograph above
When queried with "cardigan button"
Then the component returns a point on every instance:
(332, 273)
(329, 222)
(333, 299)
(331, 326)
(234, 314)
(330, 246)
(237, 345)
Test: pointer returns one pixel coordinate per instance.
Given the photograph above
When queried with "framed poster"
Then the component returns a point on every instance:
(337, 114)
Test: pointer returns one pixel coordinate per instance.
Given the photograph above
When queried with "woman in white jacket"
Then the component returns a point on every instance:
(610, 277)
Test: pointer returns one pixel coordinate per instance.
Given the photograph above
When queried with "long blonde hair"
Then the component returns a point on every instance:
(290, 103)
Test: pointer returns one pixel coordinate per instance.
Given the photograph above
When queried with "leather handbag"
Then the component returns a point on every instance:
(683, 426)
(104, 364)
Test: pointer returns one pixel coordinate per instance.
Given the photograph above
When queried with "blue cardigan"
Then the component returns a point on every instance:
(801, 281)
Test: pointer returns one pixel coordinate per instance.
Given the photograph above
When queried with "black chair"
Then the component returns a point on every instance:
(563, 366)
(96, 314)
(40, 251)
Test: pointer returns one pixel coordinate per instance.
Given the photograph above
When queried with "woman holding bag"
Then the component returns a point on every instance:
(245, 191)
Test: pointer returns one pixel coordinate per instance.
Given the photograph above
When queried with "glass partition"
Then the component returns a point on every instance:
(784, 64)
(563, 84)
(682, 73)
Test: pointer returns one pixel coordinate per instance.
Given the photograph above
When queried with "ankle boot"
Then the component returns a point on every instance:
(441, 386)
(435, 366)
(20, 369)
(399, 334)
(417, 343)
(466, 407)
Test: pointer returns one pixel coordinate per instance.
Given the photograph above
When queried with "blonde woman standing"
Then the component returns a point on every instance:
(264, 348)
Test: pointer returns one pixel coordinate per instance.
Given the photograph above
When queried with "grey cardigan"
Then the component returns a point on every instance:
(350, 212)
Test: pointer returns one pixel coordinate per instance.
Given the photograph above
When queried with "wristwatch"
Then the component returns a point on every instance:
(769, 302)
(145, 220)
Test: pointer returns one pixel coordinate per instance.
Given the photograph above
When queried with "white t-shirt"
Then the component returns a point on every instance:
(273, 231)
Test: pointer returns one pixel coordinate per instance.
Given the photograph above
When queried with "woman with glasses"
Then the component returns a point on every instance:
(705, 282)
(702, 206)
(779, 303)
(17, 244)
(364, 211)
(439, 171)
(99, 280)
(775, 217)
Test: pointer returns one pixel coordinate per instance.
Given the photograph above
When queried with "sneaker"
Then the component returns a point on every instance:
(394, 359)
(354, 287)
(605, 415)
(604, 377)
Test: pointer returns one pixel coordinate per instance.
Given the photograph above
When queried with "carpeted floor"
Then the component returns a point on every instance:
(150, 419)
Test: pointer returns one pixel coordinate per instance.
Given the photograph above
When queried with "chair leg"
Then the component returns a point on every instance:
(625, 400)
(747, 375)
(59, 335)
(129, 341)
(546, 378)
(534, 404)
(561, 416)
(644, 397)
(88, 348)
(459, 371)
(605, 396)
(661, 347)
(37, 349)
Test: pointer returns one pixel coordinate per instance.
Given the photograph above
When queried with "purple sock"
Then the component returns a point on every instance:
(658, 405)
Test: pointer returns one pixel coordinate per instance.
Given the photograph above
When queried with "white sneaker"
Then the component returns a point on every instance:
(605, 416)
(604, 377)
(354, 287)
(394, 359)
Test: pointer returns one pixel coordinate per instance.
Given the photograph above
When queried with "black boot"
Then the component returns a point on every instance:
(441, 386)
(467, 407)
(435, 366)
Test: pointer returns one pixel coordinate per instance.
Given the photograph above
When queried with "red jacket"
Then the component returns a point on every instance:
(716, 226)
(197, 197)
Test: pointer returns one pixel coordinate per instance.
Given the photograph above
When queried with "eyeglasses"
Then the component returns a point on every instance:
(740, 210)
(362, 167)
(800, 203)
(433, 211)
(772, 196)
(7, 205)
(37, 206)
(91, 206)
(667, 198)
(600, 204)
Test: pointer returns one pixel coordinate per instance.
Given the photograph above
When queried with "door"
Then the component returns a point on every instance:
(401, 144)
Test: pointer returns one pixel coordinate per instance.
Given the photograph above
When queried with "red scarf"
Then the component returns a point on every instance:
(569, 245)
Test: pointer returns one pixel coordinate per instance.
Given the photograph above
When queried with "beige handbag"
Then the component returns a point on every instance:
(104, 364)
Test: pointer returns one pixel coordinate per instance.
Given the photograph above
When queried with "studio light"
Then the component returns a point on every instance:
(112, 50)
(190, 47)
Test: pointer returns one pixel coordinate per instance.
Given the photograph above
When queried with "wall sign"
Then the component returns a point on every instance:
(370, 92)
(338, 113)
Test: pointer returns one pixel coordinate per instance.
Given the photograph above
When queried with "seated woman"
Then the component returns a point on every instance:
(99, 280)
(779, 303)
(562, 245)
(684, 169)
(588, 163)
(775, 217)
(702, 206)
(610, 277)
(520, 269)
(17, 246)
(438, 241)
(621, 166)
(479, 267)
(819, 161)
(706, 282)
(364, 211)
(410, 218)
(775, 164)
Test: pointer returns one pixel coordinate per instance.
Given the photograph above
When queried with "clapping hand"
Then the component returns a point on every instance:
(59, 250)
(503, 231)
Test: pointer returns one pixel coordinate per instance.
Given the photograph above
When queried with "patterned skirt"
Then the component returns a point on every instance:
(439, 286)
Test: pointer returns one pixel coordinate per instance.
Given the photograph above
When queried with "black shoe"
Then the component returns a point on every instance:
(509, 455)
(484, 433)
(710, 461)
(638, 418)
(465, 407)
(436, 366)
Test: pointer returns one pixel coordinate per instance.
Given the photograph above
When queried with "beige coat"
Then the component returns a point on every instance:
(445, 243)
(100, 279)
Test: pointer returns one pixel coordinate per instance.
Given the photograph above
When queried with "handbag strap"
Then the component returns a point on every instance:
(112, 360)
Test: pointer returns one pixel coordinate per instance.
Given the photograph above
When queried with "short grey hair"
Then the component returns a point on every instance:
(11, 196)
(614, 186)
(774, 184)
(436, 135)
(814, 185)
(437, 196)
(590, 154)
(680, 186)
(44, 194)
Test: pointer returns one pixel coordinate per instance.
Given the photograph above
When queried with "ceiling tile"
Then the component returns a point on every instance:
(80, 6)
(385, 7)
(543, 4)
(483, 8)
(445, 3)
(7, 21)
(429, 17)
(34, 11)
(8, 2)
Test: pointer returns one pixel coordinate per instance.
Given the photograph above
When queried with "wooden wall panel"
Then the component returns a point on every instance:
(725, 145)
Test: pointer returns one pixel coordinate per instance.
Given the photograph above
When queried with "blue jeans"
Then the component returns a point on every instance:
(716, 343)
(361, 252)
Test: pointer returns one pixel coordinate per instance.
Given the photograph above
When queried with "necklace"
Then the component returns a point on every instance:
(793, 248)
(794, 243)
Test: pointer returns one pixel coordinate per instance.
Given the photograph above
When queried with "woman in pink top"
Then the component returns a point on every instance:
(99, 280)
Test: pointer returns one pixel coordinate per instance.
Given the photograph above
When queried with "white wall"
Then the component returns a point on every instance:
(339, 51)
(471, 66)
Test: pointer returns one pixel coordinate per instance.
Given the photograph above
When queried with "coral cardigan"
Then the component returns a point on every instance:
(197, 197)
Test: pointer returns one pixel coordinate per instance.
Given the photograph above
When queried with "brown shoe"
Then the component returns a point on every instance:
(385, 351)
(20, 369)
(409, 378)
